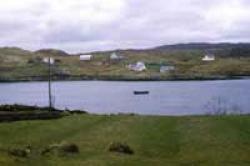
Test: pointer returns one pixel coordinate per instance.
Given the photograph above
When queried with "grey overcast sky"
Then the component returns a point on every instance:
(88, 25)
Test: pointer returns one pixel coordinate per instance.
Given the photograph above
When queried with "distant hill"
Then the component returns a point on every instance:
(14, 51)
(17, 64)
(203, 46)
(223, 49)
(52, 52)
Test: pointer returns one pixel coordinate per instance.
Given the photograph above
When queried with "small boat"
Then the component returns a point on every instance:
(141, 92)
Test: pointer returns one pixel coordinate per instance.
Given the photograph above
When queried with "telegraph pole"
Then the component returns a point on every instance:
(49, 86)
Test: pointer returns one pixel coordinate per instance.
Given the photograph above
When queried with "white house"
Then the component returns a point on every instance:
(164, 69)
(208, 57)
(86, 57)
(139, 66)
(114, 56)
(49, 60)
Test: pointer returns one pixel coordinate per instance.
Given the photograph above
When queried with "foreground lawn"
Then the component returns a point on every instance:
(184, 141)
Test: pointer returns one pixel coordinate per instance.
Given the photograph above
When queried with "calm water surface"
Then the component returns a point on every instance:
(105, 97)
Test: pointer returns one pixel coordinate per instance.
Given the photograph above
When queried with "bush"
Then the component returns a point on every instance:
(63, 148)
(69, 148)
(220, 106)
(120, 148)
(77, 112)
(19, 152)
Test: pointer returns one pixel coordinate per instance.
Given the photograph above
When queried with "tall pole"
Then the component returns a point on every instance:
(49, 85)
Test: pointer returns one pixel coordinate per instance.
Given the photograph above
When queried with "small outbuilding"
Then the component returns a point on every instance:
(139, 66)
(166, 68)
(86, 57)
(49, 60)
(116, 57)
(208, 57)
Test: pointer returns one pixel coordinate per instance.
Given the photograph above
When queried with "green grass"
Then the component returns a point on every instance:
(180, 141)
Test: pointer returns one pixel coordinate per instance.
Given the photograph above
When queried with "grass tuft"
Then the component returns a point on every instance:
(20, 152)
(63, 148)
(120, 148)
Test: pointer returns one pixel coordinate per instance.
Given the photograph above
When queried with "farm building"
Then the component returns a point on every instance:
(165, 68)
(86, 57)
(49, 60)
(139, 66)
(114, 56)
(208, 57)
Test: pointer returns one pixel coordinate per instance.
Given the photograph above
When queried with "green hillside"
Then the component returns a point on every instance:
(18, 64)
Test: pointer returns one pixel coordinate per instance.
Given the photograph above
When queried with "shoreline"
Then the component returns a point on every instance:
(17, 110)
(90, 78)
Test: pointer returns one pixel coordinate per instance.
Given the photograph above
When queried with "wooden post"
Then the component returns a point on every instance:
(49, 85)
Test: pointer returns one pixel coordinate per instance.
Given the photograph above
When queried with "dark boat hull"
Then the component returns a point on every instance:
(141, 92)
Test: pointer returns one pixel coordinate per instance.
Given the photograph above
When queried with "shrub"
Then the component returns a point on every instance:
(220, 106)
(120, 148)
(77, 112)
(63, 148)
(70, 148)
(19, 152)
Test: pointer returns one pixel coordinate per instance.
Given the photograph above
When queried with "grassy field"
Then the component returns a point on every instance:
(161, 141)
